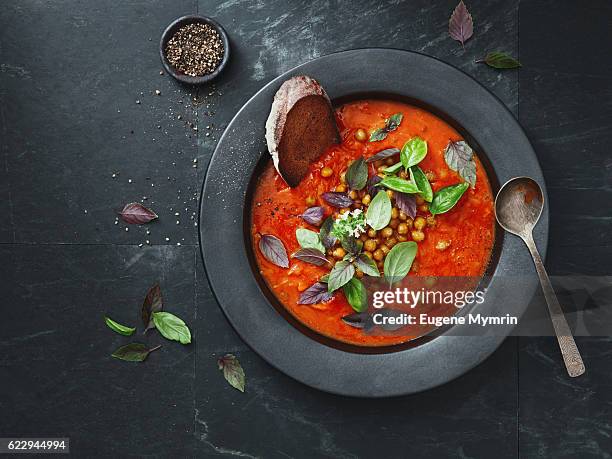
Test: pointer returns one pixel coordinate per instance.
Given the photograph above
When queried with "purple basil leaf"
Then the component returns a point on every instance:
(273, 249)
(384, 154)
(152, 303)
(358, 319)
(137, 214)
(337, 199)
(313, 215)
(327, 238)
(460, 25)
(312, 256)
(406, 203)
(317, 293)
(371, 185)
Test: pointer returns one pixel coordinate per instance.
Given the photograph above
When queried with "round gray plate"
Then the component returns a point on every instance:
(224, 226)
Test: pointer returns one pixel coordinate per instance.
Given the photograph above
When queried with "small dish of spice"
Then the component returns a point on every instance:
(194, 49)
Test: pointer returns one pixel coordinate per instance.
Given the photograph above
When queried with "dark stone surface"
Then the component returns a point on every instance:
(70, 75)
(565, 94)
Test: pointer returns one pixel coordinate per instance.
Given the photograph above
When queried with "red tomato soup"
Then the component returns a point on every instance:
(455, 243)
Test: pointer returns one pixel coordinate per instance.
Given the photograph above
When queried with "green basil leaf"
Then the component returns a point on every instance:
(394, 121)
(413, 152)
(356, 294)
(117, 327)
(232, 371)
(378, 214)
(500, 60)
(171, 327)
(446, 198)
(357, 174)
(133, 352)
(309, 239)
(367, 265)
(393, 169)
(378, 134)
(399, 184)
(399, 260)
(459, 157)
(341, 273)
(420, 179)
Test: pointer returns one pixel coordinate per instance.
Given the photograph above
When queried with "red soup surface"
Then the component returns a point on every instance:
(455, 243)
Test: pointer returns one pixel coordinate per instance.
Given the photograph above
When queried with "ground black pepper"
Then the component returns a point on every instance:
(195, 49)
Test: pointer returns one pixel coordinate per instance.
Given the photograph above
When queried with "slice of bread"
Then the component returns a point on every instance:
(301, 126)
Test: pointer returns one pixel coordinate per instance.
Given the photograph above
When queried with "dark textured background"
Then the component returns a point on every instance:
(70, 75)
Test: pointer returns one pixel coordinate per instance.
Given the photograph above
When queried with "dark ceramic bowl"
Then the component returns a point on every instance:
(257, 315)
(171, 30)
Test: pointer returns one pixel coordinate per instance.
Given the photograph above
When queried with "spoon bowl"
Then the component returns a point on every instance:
(518, 205)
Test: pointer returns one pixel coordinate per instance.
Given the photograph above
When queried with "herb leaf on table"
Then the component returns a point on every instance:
(232, 371)
(135, 213)
(460, 24)
(133, 352)
(152, 303)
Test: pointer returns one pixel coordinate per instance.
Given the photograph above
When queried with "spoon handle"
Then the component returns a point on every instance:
(569, 350)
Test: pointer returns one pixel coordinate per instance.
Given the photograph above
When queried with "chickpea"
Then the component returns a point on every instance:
(339, 253)
(341, 188)
(372, 232)
(418, 236)
(366, 200)
(419, 223)
(402, 228)
(368, 254)
(326, 172)
(409, 222)
(387, 232)
(403, 174)
(402, 237)
(381, 168)
(343, 177)
(310, 201)
(353, 195)
(385, 249)
(423, 208)
(389, 162)
(391, 242)
(442, 245)
(394, 223)
(419, 200)
(431, 220)
(402, 216)
(370, 245)
(390, 193)
(379, 254)
(394, 212)
(361, 135)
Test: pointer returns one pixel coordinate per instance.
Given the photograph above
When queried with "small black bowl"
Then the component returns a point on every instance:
(169, 33)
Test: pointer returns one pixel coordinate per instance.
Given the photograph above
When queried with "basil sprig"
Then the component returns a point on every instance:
(357, 174)
(446, 198)
(399, 261)
(413, 152)
(378, 214)
(356, 294)
(390, 125)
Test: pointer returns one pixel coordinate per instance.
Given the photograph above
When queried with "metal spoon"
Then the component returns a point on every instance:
(518, 207)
